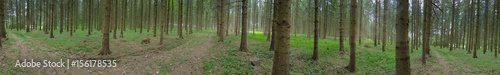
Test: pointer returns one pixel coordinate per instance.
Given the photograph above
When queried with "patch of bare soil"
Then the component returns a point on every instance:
(132, 57)
(20, 50)
(463, 68)
(150, 60)
(193, 56)
(447, 70)
(423, 69)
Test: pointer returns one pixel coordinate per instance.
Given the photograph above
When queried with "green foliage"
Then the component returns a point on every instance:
(165, 68)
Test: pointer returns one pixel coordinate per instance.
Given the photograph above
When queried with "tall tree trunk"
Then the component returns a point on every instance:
(486, 25)
(352, 38)
(453, 26)
(155, 20)
(179, 23)
(105, 43)
(377, 16)
(52, 23)
(281, 55)
(273, 29)
(28, 18)
(243, 44)
(427, 29)
(141, 10)
(361, 14)
(476, 27)
(341, 25)
(115, 18)
(2, 21)
(89, 17)
(220, 20)
(402, 54)
(124, 19)
(163, 10)
(384, 30)
(316, 35)
(189, 17)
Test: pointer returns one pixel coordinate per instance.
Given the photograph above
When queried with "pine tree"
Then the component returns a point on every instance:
(402, 54)
(282, 20)
(105, 43)
(243, 44)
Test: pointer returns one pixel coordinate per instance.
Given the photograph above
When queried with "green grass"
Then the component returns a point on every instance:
(165, 68)
(484, 64)
(331, 61)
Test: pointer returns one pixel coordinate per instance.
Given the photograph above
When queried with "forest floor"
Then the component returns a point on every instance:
(197, 54)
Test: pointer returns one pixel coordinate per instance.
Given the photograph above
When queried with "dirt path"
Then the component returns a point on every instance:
(186, 58)
(193, 56)
(447, 70)
(19, 44)
(20, 50)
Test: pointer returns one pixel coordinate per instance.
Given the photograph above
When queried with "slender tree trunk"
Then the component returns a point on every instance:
(361, 14)
(105, 43)
(402, 54)
(316, 35)
(384, 30)
(179, 23)
(2, 21)
(341, 25)
(352, 38)
(52, 23)
(155, 17)
(476, 27)
(281, 55)
(243, 44)
(453, 26)
(124, 19)
(377, 7)
(427, 27)
(90, 17)
(115, 19)
(189, 17)
(163, 9)
(486, 25)
(220, 20)
(28, 16)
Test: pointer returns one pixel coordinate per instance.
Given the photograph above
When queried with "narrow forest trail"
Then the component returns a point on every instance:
(445, 67)
(193, 55)
(186, 58)
(20, 50)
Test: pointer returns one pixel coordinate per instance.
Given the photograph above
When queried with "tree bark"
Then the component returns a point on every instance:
(384, 26)
(402, 54)
(179, 23)
(316, 35)
(89, 17)
(341, 25)
(220, 20)
(375, 35)
(2, 21)
(352, 38)
(162, 25)
(243, 44)
(105, 43)
(476, 27)
(427, 29)
(281, 55)
(453, 27)
(52, 23)
(486, 25)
